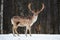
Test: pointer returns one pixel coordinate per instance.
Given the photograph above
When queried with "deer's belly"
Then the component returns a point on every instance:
(21, 25)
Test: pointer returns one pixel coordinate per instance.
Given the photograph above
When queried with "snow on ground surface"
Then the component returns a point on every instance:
(28, 37)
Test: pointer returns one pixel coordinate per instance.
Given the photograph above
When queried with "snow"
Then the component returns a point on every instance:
(28, 37)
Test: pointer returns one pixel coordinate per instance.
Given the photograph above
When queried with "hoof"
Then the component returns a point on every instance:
(14, 35)
(30, 34)
(18, 34)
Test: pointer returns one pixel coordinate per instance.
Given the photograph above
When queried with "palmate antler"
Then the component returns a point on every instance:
(18, 21)
(37, 12)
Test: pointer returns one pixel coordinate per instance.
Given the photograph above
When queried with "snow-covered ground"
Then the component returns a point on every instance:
(33, 37)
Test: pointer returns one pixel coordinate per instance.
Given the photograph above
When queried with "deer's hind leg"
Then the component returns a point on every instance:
(16, 31)
(13, 30)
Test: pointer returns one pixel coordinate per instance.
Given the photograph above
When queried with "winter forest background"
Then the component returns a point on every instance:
(48, 20)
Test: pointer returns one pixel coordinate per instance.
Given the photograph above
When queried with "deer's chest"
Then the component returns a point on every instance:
(34, 20)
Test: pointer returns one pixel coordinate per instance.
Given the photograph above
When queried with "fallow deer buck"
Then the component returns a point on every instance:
(18, 21)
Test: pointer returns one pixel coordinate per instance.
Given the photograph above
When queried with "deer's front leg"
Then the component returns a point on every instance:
(26, 30)
(30, 31)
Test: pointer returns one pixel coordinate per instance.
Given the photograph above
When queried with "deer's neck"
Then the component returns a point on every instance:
(34, 19)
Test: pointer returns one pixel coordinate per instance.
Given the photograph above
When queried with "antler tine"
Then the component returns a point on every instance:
(41, 8)
(29, 7)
